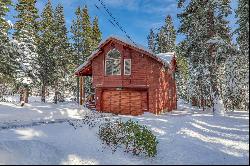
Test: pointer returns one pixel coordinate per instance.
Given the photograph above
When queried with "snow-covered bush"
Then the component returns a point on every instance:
(91, 119)
(130, 135)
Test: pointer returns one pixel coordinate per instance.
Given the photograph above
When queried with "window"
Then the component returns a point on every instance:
(127, 66)
(113, 63)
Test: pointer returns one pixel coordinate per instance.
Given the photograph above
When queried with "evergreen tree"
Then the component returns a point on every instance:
(47, 43)
(166, 37)
(170, 35)
(243, 41)
(27, 19)
(85, 40)
(96, 34)
(233, 88)
(61, 53)
(86, 34)
(182, 72)
(87, 45)
(151, 41)
(76, 30)
(4, 26)
(7, 61)
(207, 36)
(25, 41)
(243, 21)
(160, 40)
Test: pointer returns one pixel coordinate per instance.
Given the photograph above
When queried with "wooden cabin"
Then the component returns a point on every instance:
(129, 79)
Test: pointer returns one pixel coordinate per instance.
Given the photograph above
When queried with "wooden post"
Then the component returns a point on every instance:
(83, 89)
(81, 94)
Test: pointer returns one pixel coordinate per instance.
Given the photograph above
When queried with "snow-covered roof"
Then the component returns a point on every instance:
(164, 58)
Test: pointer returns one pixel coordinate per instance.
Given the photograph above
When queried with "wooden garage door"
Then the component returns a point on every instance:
(124, 102)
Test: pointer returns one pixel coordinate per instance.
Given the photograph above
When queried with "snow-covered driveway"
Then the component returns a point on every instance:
(185, 137)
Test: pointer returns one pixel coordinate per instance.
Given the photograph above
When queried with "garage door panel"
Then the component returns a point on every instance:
(124, 102)
(106, 104)
(144, 101)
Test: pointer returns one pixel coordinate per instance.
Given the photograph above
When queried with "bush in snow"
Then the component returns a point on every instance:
(134, 137)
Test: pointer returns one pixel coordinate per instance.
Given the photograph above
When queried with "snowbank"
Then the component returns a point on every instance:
(186, 136)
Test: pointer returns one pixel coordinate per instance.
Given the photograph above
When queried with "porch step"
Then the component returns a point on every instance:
(91, 106)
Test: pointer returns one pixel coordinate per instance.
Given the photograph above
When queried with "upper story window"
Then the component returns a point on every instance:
(127, 66)
(113, 62)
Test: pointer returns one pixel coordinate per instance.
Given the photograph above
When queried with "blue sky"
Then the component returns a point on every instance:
(135, 16)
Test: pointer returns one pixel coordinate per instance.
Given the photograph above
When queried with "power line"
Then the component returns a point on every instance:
(106, 17)
(115, 21)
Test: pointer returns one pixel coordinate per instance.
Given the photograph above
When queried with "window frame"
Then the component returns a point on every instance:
(113, 59)
(130, 65)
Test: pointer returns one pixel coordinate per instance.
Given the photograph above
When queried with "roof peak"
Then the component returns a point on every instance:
(125, 40)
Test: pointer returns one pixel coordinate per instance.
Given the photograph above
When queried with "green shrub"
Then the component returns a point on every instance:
(130, 135)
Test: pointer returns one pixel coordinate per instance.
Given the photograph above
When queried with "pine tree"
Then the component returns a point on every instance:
(76, 30)
(166, 37)
(87, 45)
(233, 88)
(7, 61)
(160, 40)
(243, 31)
(151, 41)
(208, 39)
(243, 41)
(85, 40)
(170, 35)
(61, 53)
(86, 34)
(182, 72)
(4, 26)
(96, 34)
(25, 40)
(47, 49)
(8, 65)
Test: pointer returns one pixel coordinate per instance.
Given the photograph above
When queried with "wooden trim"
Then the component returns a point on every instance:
(122, 64)
(148, 100)
(101, 100)
(126, 88)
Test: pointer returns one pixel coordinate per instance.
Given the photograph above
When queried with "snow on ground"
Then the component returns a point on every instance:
(186, 136)
(35, 110)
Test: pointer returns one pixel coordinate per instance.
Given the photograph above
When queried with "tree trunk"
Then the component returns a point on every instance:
(56, 93)
(26, 95)
(21, 95)
(43, 92)
(213, 72)
(55, 97)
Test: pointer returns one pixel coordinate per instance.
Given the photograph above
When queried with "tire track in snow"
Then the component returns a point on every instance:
(23, 124)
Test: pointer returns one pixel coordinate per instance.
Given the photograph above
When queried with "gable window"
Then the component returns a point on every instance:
(113, 62)
(127, 66)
